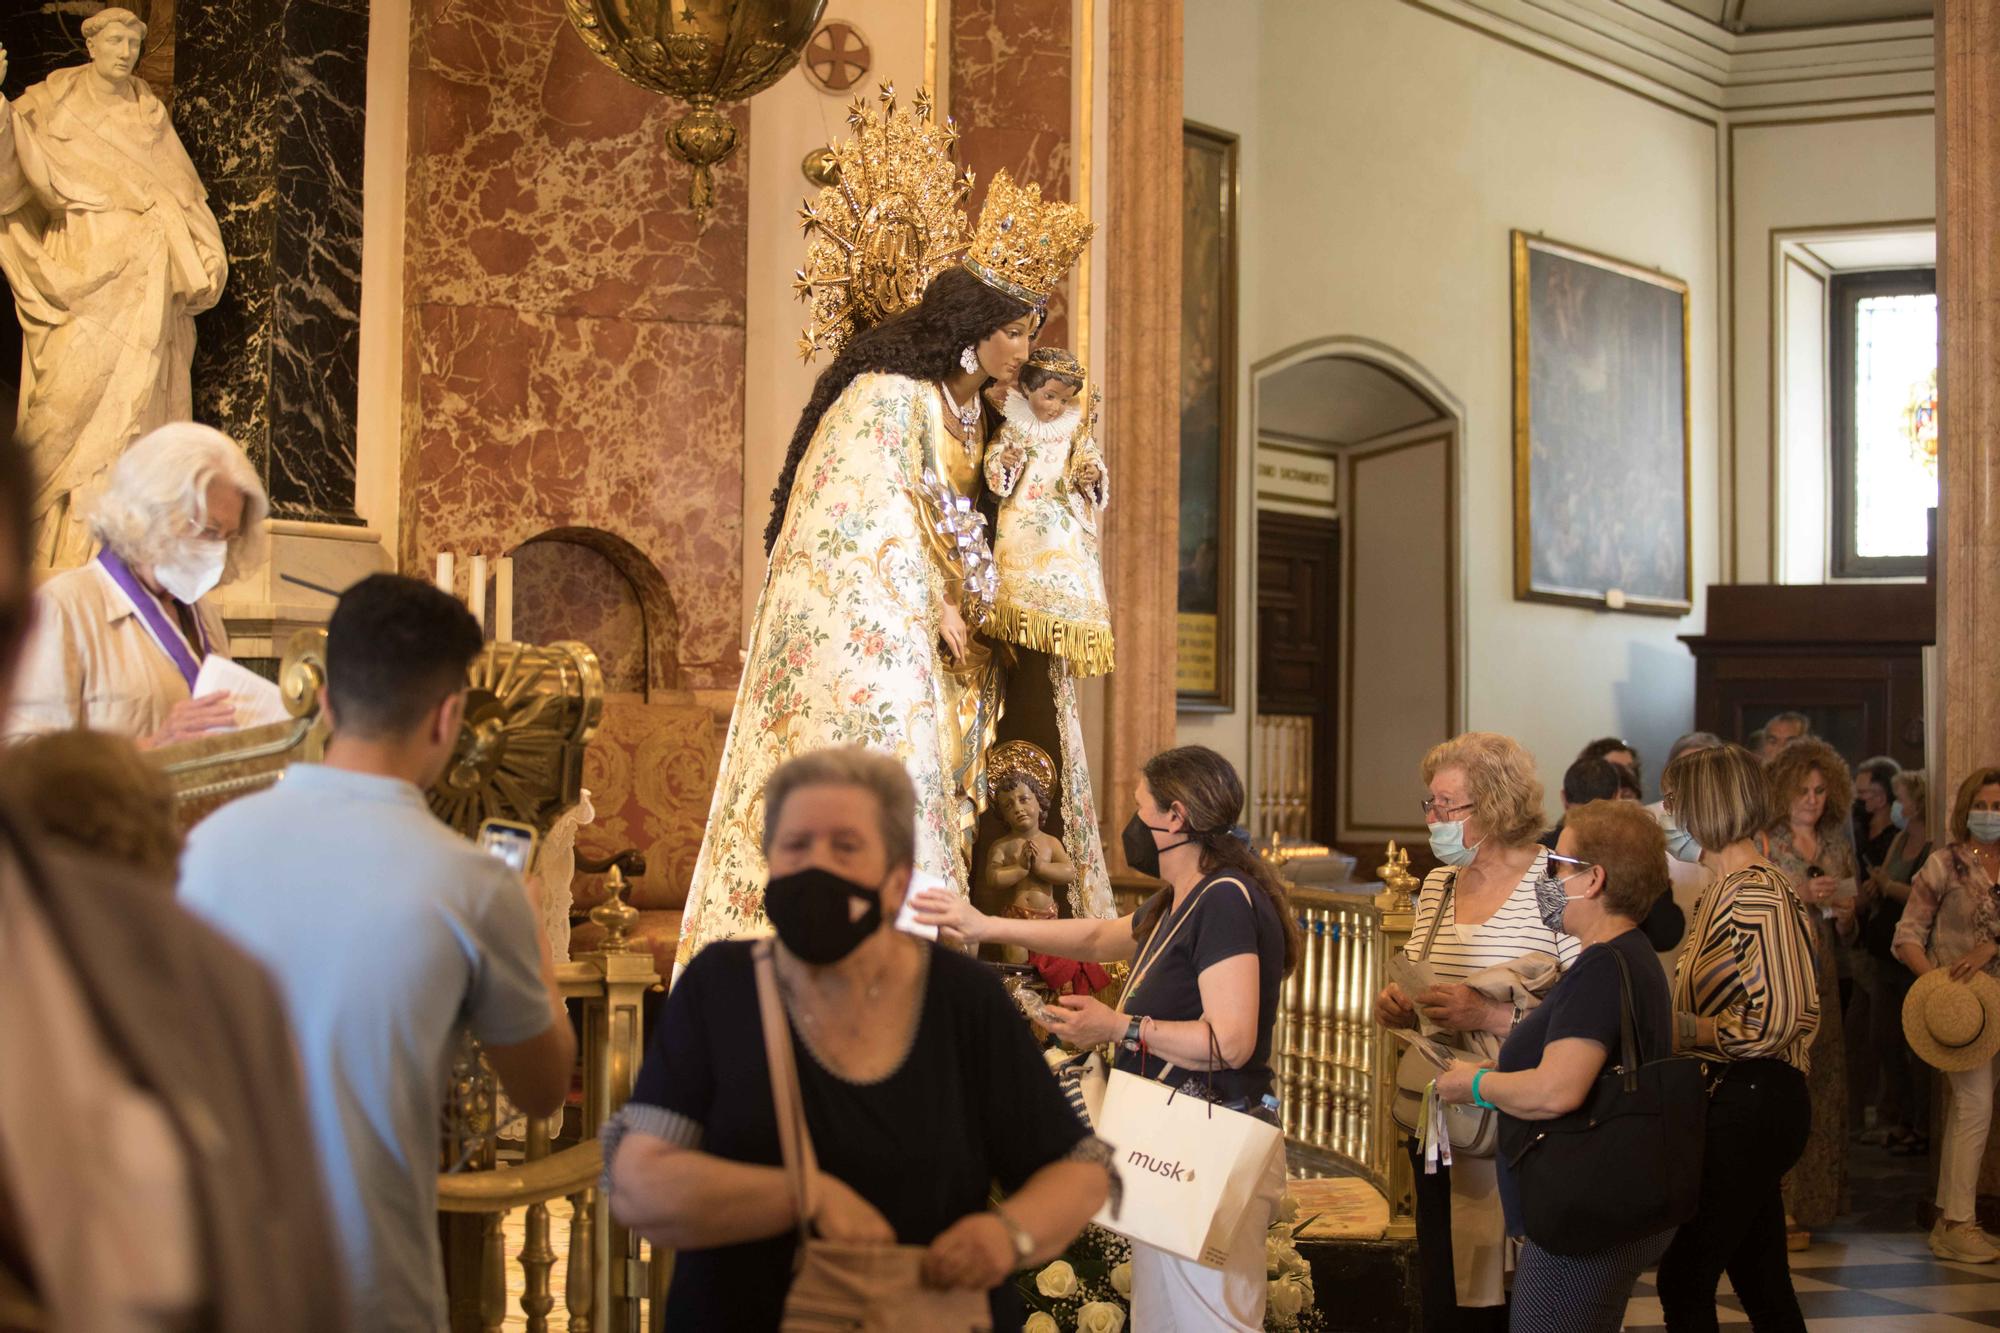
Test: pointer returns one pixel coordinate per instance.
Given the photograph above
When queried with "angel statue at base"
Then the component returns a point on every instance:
(867, 630)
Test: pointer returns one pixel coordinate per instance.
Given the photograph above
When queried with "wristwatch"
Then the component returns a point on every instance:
(1131, 1042)
(1023, 1243)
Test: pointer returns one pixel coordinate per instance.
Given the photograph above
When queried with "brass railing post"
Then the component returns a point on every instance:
(1398, 909)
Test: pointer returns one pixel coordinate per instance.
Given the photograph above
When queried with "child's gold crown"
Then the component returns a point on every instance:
(1024, 246)
(1057, 361)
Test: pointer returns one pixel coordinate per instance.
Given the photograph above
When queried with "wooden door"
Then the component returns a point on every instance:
(1298, 640)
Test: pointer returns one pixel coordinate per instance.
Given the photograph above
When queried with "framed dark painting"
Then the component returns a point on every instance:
(1205, 667)
(1601, 432)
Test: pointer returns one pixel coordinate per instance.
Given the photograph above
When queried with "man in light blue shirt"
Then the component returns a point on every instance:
(389, 935)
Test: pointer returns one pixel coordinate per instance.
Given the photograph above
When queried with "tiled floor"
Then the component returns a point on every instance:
(1873, 1271)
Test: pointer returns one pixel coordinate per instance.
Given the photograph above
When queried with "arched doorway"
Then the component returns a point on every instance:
(1356, 661)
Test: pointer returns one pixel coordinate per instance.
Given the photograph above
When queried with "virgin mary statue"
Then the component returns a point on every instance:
(866, 631)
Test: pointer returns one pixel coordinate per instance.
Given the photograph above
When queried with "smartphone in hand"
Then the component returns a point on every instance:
(511, 841)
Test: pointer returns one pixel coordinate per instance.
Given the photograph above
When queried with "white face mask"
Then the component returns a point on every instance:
(192, 571)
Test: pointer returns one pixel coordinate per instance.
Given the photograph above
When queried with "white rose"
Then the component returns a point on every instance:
(1057, 1280)
(1286, 1299)
(1121, 1280)
(1100, 1317)
(1288, 1208)
(1041, 1323)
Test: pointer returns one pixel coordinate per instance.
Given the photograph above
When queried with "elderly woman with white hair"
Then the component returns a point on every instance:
(118, 642)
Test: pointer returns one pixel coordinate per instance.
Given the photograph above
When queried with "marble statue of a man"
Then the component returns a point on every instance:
(108, 242)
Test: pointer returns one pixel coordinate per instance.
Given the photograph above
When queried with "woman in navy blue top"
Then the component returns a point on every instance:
(1609, 868)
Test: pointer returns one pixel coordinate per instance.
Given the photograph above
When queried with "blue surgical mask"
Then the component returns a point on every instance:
(1681, 844)
(1448, 843)
(1897, 816)
(1984, 825)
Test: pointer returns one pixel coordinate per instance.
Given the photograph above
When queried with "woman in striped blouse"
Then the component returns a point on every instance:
(1484, 809)
(1746, 1000)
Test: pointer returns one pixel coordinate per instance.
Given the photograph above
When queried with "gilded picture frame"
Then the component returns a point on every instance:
(1602, 432)
(1205, 602)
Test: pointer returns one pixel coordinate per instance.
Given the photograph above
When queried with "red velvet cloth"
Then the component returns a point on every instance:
(1067, 976)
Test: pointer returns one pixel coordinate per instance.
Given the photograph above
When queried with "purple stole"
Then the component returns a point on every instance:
(165, 633)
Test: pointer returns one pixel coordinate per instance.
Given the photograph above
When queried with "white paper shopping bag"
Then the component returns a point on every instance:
(1189, 1167)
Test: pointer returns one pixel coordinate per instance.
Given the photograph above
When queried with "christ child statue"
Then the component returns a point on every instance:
(1027, 866)
(1046, 467)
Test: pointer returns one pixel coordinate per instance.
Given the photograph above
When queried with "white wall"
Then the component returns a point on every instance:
(1819, 176)
(787, 121)
(1387, 153)
(1802, 425)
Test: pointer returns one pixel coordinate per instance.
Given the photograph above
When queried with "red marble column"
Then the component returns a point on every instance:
(1011, 92)
(574, 345)
(1142, 391)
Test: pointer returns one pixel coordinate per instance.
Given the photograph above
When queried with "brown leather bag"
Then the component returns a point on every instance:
(840, 1288)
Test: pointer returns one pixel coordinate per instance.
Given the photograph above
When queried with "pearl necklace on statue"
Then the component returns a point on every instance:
(968, 416)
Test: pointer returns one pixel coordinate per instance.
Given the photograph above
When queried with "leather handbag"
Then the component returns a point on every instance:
(1474, 1130)
(1623, 1166)
(842, 1288)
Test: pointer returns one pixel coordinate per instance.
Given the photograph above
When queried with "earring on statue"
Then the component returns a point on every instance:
(969, 359)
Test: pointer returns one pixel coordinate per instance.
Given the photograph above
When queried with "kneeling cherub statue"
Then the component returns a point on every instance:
(1028, 866)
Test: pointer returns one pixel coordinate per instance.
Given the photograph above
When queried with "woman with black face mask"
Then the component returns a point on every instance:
(1209, 953)
(920, 1083)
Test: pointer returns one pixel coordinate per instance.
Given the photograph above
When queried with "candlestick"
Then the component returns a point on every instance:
(444, 572)
(503, 600)
(475, 595)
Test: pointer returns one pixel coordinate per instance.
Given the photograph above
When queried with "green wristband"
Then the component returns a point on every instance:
(1478, 1100)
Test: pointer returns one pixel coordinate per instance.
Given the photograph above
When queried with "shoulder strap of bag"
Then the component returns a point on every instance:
(1628, 1026)
(1156, 945)
(794, 1139)
(1437, 917)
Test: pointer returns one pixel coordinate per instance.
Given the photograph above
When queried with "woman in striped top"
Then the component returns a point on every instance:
(1484, 809)
(1747, 1001)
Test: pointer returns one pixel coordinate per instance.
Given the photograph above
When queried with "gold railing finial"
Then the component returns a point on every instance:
(614, 914)
(1399, 883)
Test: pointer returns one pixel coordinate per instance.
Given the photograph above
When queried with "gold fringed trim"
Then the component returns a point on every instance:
(1087, 648)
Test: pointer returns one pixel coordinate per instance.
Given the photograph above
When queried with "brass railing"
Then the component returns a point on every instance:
(1284, 777)
(608, 1281)
(1337, 1069)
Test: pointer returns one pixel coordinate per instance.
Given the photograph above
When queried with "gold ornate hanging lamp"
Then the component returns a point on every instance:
(705, 52)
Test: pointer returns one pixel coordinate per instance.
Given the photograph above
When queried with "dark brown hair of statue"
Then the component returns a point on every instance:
(1206, 786)
(924, 343)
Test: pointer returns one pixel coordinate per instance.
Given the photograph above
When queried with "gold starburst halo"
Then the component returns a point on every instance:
(1025, 245)
(893, 219)
(1012, 757)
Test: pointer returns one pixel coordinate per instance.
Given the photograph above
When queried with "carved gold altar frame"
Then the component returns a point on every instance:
(1608, 599)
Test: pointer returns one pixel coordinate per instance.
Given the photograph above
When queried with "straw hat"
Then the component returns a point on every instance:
(1953, 1026)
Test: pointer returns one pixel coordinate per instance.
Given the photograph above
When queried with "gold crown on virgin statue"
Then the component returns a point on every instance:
(892, 220)
(1025, 245)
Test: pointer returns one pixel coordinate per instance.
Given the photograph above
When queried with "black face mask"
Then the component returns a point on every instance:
(1141, 852)
(809, 911)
